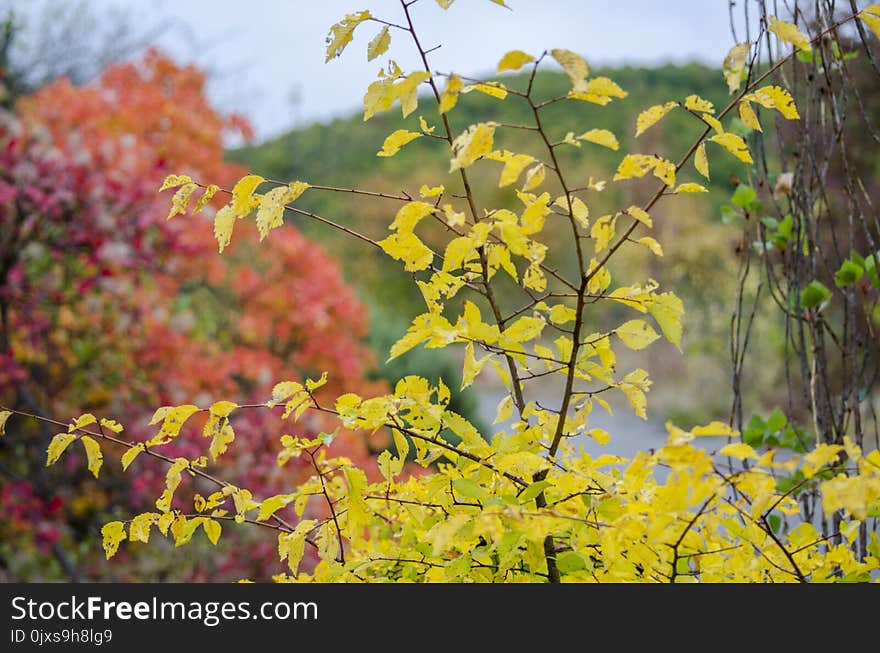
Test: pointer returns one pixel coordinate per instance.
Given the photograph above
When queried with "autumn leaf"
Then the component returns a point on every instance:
(514, 60)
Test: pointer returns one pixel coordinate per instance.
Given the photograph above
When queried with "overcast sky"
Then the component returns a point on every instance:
(266, 57)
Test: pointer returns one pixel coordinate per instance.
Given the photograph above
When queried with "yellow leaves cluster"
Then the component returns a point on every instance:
(486, 503)
(341, 34)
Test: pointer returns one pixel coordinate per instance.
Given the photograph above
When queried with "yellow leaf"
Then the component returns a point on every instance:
(580, 212)
(224, 222)
(651, 115)
(599, 90)
(380, 96)
(409, 216)
(715, 429)
(342, 32)
(206, 197)
(691, 188)
(243, 194)
(139, 528)
(472, 366)
(180, 200)
(423, 125)
(357, 516)
(601, 436)
(600, 278)
(93, 454)
(504, 410)
(314, 384)
(164, 522)
(748, 116)
(409, 249)
(273, 504)
(434, 191)
(641, 215)
(282, 391)
(131, 454)
(524, 329)
(713, 122)
(172, 480)
(532, 218)
(776, 97)
(173, 420)
(514, 164)
(634, 386)
(601, 137)
(603, 231)
(701, 162)
(173, 181)
(574, 66)
(789, 33)
(111, 425)
(291, 546)
(534, 177)
(81, 422)
(560, 314)
(872, 19)
(696, 103)
(212, 529)
(222, 408)
(407, 91)
(738, 450)
(493, 89)
(514, 60)
(734, 64)
(665, 171)
(112, 533)
(4, 415)
(57, 446)
(453, 218)
(636, 334)
(379, 44)
(472, 144)
(651, 244)
(270, 213)
(449, 97)
(396, 140)
(223, 436)
(733, 144)
(524, 463)
(635, 165)
(458, 252)
(668, 309)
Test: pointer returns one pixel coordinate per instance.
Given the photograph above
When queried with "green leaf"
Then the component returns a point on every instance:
(730, 216)
(743, 196)
(777, 421)
(469, 489)
(753, 435)
(570, 561)
(531, 492)
(814, 294)
(849, 273)
(775, 522)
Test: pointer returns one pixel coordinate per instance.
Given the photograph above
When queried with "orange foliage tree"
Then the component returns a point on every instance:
(109, 307)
